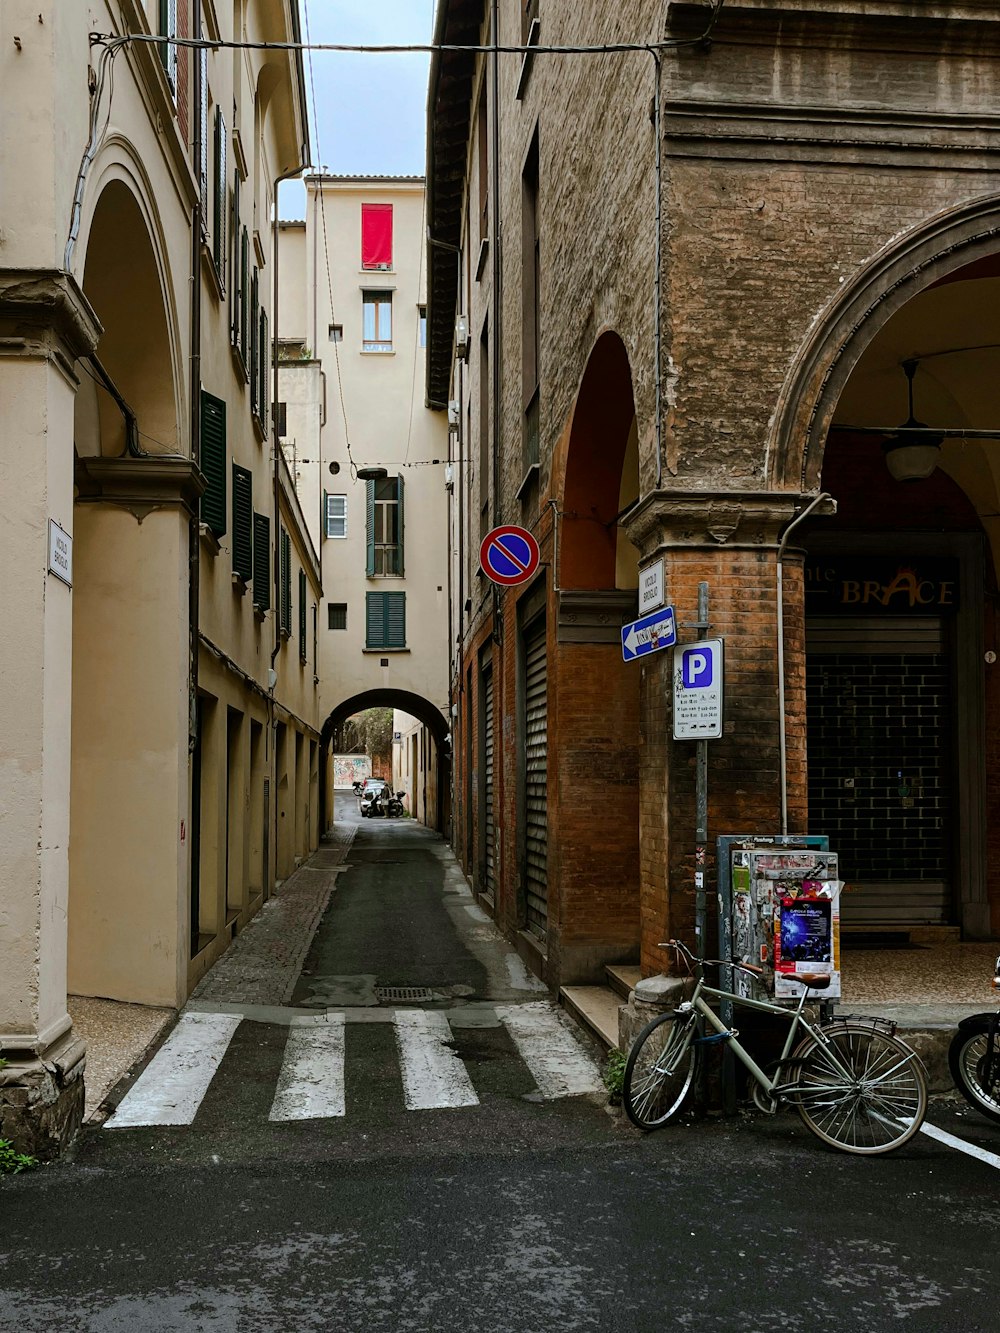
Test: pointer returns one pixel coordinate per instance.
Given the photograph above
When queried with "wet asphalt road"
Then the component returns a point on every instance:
(512, 1215)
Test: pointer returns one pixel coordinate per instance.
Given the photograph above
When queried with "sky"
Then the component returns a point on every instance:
(370, 112)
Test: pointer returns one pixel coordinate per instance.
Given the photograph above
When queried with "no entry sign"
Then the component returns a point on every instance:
(509, 556)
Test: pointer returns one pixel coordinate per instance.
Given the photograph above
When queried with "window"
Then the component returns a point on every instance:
(336, 333)
(376, 322)
(336, 515)
(303, 589)
(376, 236)
(264, 371)
(385, 620)
(336, 614)
(168, 28)
(238, 264)
(254, 331)
(484, 431)
(422, 325)
(281, 418)
(483, 159)
(530, 284)
(385, 528)
(213, 463)
(242, 523)
(262, 562)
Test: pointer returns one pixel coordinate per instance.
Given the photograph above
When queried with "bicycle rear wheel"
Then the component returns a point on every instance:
(967, 1058)
(862, 1090)
(660, 1070)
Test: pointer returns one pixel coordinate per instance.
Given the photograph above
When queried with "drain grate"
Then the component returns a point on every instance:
(403, 994)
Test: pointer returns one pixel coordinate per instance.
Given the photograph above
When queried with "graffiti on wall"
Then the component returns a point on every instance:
(350, 768)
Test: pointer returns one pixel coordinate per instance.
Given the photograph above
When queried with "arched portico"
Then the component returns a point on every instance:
(901, 702)
(593, 709)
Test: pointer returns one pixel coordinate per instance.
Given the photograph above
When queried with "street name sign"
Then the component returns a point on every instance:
(649, 634)
(651, 592)
(509, 556)
(60, 553)
(698, 691)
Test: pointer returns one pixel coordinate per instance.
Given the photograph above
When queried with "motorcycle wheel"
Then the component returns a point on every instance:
(395, 809)
(967, 1061)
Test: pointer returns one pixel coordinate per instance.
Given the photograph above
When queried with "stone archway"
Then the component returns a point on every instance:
(408, 702)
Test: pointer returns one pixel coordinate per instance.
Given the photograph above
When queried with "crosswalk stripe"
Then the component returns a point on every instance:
(433, 1075)
(311, 1082)
(171, 1087)
(559, 1065)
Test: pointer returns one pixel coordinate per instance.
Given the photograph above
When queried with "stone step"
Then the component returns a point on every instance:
(594, 1008)
(622, 977)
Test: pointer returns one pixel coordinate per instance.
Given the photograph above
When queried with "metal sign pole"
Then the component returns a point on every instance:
(701, 802)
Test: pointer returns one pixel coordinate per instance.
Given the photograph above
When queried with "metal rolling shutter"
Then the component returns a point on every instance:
(489, 817)
(535, 775)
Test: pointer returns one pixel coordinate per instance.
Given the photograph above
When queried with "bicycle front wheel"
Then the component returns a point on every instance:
(980, 1086)
(660, 1070)
(860, 1088)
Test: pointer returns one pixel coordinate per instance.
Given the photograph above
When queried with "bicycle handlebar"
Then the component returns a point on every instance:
(682, 949)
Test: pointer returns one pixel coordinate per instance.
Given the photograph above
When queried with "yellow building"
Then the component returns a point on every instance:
(159, 740)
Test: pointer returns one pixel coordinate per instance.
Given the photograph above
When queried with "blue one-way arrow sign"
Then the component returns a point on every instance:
(649, 634)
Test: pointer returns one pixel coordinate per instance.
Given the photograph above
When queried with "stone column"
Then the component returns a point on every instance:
(45, 324)
(729, 540)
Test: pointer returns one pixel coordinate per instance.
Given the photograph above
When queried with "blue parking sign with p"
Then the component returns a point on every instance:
(696, 668)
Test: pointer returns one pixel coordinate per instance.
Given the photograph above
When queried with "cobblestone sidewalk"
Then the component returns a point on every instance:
(263, 963)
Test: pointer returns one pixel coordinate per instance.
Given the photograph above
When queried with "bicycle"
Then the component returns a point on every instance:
(855, 1084)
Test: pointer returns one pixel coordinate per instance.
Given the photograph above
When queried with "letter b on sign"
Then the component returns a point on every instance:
(697, 669)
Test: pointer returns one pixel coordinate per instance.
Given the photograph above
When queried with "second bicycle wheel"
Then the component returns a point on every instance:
(862, 1090)
(967, 1060)
(659, 1070)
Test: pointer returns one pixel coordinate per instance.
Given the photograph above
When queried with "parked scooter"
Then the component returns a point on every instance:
(395, 805)
(974, 1058)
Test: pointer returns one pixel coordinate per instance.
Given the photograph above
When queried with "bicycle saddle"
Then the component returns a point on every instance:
(811, 980)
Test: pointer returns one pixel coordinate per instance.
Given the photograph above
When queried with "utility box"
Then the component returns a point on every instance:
(785, 917)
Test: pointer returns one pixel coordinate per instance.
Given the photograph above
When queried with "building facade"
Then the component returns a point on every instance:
(160, 737)
(676, 296)
(370, 459)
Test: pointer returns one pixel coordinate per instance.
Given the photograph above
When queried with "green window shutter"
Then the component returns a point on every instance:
(395, 620)
(262, 561)
(255, 342)
(244, 292)
(221, 195)
(264, 394)
(370, 527)
(234, 291)
(243, 523)
(213, 462)
(375, 620)
(286, 582)
(303, 650)
(399, 517)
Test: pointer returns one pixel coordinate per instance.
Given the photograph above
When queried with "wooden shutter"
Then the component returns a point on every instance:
(286, 582)
(370, 526)
(221, 196)
(203, 130)
(303, 651)
(264, 356)
(213, 462)
(243, 523)
(234, 295)
(395, 619)
(374, 619)
(255, 342)
(244, 292)
(535, 778)
(168, 28)
(262, 561)
(399, 525)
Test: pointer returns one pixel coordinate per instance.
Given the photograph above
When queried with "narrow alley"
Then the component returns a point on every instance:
(409, 1001)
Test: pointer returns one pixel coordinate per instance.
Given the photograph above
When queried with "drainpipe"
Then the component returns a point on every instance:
(782, 744)
(657, 268)
(497, 313)
(194, 528)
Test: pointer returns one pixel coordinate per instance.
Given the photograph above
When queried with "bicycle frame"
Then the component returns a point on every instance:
(794, 1018)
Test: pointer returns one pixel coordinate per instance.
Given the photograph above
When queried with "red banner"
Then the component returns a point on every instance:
(376, 236)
